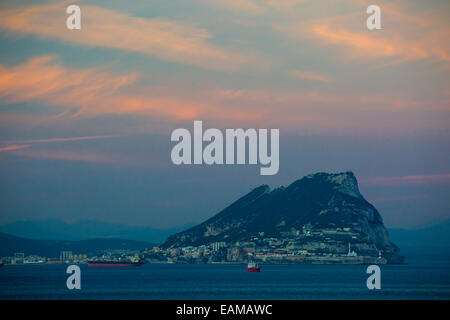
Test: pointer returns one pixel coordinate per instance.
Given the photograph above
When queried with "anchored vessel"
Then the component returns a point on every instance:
(253, 267)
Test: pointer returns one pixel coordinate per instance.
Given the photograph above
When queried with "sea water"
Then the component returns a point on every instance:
(424, 277)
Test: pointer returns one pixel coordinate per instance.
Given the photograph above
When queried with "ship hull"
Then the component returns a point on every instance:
(254, 269)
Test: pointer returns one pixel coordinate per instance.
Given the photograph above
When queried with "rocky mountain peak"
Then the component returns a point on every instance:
(327, 203)
(344, 182)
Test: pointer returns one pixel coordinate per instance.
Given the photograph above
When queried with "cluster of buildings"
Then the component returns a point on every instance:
(66, 257)
(307, 245)
(190, 254)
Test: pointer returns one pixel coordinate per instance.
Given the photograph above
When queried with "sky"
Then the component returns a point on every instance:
(86, 115)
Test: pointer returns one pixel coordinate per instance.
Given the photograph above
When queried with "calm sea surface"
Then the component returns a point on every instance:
(422, 278)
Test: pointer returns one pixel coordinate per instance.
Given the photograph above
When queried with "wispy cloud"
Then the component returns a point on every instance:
(22, 144)
(283, 5)
(248, 6)
(158, 37)
(93, 157)
(406, 35)
(309, 75)
(13, 147)
(399, 198)
(41, 78)
(408, 180)
(90, 91)
(64, 139)
(256, 6)
(89, 157)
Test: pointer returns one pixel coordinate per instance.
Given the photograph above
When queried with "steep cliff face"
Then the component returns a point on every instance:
(320, 201)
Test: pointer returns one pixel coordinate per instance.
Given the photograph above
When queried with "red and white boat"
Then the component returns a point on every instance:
(253, 267)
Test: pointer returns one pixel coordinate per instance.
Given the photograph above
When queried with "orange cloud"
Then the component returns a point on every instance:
(13, 147)
(284, 5)
(92, 92)
(160, 38)
(308, 75)
(41, 78)
(256, 6)
(22, 144)
(240, 5)
(406, 35)
(359, 44)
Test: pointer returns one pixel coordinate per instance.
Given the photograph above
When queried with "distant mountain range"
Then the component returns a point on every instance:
(55, 235)
(430, 240)
(54, 229)
(51, 248)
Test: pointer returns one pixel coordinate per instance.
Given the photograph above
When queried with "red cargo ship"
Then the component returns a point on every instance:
(253, 267)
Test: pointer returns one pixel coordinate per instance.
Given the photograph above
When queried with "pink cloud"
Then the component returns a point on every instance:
(91, 92)
(249, 6)
(406, 35)
(308, 75)
(407, 180)
(163, 39)
(94, 91)
(13, 147)
(256, 6)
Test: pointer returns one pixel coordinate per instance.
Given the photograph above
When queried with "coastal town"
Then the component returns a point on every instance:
(69, 257)
(307, 245)
(304, 246)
